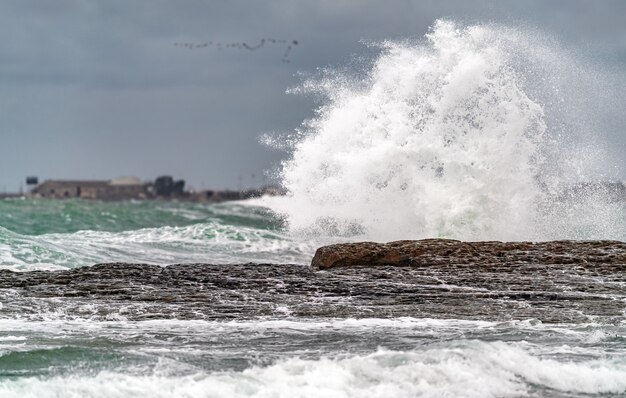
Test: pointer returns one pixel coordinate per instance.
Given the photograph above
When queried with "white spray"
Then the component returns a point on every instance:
(447, 138)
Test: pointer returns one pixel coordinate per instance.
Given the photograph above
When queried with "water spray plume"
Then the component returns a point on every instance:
(451, 137)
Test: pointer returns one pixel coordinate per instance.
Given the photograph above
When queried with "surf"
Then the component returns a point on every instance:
(468, 134)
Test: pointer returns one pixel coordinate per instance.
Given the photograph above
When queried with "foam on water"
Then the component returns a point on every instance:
(473, 134)
(296, 357)
(469, 369)
(62, 324)
(38, 237)
(205, 242)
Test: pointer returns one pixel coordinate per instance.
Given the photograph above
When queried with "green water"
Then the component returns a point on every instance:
(44, 234)
(38, 217)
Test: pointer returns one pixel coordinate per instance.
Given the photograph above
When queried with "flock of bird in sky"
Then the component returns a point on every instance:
(244, 46)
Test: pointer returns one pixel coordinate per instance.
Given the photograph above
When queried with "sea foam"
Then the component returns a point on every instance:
(212, 241)
(470, 134)
(470, 369)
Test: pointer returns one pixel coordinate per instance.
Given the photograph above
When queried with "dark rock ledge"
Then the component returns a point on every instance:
(557, 282)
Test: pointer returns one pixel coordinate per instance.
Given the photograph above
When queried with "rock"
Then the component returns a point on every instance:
(474, 285)
(442, 252)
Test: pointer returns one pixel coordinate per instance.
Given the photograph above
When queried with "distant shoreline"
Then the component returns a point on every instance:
(208, 196)
(129, 188)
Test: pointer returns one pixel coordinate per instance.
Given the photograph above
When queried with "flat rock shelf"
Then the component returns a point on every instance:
(551, 282)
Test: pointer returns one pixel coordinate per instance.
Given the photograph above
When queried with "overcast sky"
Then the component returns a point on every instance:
(97, 89)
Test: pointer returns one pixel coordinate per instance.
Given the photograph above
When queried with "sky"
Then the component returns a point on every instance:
(100, 89)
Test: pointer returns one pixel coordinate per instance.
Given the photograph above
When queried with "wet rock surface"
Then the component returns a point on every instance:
(610, 255)
(551, 282)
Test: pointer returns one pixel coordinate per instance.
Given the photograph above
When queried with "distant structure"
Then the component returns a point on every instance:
(116, 189)
(166, 186)
(228, 195)
(126, 188)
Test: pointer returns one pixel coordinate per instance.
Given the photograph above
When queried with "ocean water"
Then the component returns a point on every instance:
(66, 344)
(465, 134)
(41, 234)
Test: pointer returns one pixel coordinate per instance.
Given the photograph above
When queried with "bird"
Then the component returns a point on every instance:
(244, 46)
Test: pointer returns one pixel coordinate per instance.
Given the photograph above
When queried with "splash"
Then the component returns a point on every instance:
(465, 135)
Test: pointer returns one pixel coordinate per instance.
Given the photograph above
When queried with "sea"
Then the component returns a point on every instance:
(468, 133)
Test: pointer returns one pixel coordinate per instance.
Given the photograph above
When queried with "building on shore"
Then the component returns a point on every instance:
(116, 189)
(126, 188)
(122, 188)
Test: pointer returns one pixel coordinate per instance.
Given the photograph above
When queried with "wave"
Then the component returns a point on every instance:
(468, 369)
(38, 217)
(479, 133)
(208, 242)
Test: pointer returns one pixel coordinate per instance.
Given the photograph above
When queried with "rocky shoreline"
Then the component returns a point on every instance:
(550, 282)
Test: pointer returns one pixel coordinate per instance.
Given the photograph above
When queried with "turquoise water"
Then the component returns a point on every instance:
(40, 217)
(42, 234)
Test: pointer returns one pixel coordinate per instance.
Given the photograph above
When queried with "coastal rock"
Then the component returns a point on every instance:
(578, 282)
(447, 252)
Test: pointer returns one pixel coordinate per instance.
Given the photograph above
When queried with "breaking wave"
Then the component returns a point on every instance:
(171, 233)
(476, 133)
(470, 369)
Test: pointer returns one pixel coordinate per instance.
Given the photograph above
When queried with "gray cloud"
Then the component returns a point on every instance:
(98, 89)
